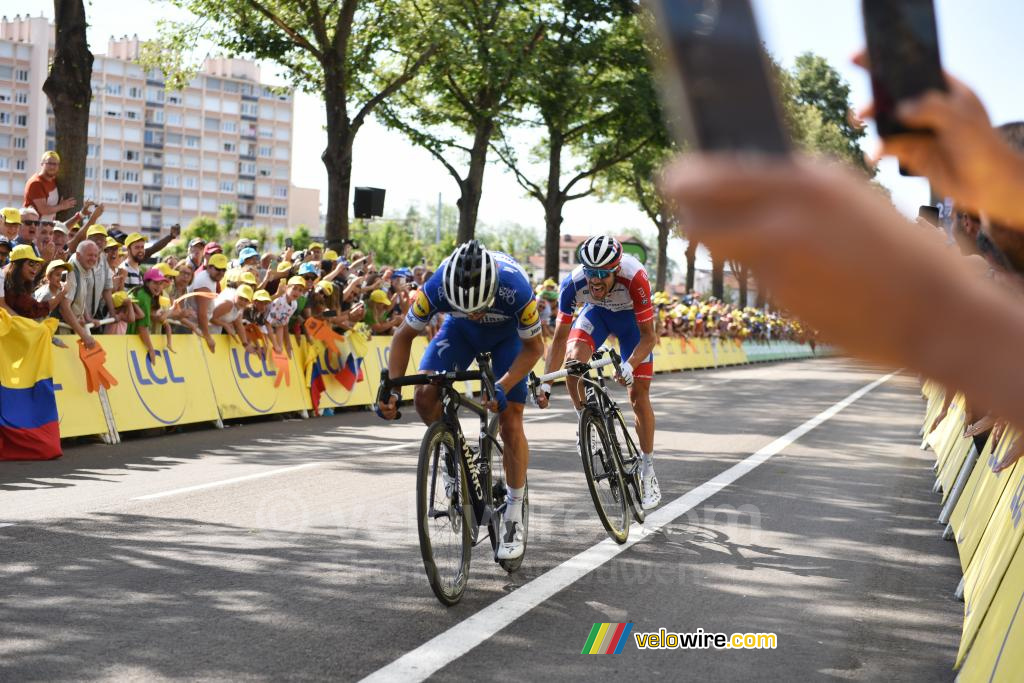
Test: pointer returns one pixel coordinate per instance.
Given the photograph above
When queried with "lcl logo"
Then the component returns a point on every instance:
(249, 372)
(167, 407)
(262, 396)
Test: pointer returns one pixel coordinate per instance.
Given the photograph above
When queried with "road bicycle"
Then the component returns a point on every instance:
(458, 489)
(613, 472)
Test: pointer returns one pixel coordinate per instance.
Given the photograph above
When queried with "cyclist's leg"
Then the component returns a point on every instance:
(504, 346)
(588, 332)
(450, 349)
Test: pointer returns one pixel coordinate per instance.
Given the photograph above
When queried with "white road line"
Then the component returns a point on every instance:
(446, 647)
(225, 482)
(538, 418)
(6, 524)
(258, 475)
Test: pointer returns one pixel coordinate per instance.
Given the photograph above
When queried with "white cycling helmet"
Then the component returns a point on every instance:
(600, 252)
(471, 278)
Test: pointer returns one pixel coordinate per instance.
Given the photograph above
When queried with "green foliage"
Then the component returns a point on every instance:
(260, 234)
(393, 244)
(204, 227)
(518, 241)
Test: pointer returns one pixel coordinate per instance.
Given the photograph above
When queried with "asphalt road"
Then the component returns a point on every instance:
(288, 549)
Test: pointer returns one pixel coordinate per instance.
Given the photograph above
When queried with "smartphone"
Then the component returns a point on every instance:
(716, 88)
(903, 47)
(175, 230)
(288, 242)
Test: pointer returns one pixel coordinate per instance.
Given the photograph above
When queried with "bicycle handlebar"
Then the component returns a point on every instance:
(577, 368)
(484, 374)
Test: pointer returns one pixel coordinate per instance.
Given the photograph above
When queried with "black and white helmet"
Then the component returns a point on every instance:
(471, 278)
(600, 252)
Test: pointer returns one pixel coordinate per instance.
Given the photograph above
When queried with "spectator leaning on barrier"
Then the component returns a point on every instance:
(147, 298)
(41, 189)
(226, 314)
(208, 281)
(281, 311)
(380, 314)
(85, 291)
(54, 286)
(20, 283)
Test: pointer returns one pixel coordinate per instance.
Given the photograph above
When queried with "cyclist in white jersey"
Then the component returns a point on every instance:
(615, 294)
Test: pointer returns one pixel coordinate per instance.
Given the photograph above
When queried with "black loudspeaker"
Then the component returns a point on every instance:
(368, 202)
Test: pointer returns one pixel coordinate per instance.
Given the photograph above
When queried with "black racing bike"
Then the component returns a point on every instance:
(611, 460)
(459, 489)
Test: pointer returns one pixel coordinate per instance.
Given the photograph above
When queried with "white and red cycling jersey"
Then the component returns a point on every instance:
(632, 291)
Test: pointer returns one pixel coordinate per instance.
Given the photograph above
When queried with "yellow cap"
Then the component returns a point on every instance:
(59, 263)
(315, 245)
(380, 297)
(166, 269)
(284, 266)
(49, 154)
(111, 242)
(133, 238)
(327, 287)
(297, 280)
(11, 215)
(96, 230)
(330, 255)
(261, 295)
(24, 252)
(244, 291)
(120, 298)
(219, 261)
(248, 277)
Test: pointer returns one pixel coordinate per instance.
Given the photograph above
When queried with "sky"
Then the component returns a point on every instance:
(979, 43)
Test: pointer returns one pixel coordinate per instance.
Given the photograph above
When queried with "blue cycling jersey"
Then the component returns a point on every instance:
(513, 306)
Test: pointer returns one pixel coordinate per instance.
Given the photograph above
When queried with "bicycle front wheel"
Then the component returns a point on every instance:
(630, 464)
(604, 479)
(444, 514)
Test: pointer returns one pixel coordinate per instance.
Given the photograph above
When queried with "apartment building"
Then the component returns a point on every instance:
(156, 157)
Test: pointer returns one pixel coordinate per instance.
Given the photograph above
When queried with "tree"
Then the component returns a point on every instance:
(453, 106)
(518, 241)
(342, 51)
(717, 277)
(691, 264)
(586, 90)
(69, 89)
(742, 274)
(817, 84)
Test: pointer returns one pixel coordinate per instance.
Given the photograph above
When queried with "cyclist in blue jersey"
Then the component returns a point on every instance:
(490, 308)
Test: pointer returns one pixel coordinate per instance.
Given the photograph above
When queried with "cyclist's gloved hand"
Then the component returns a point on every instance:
(499, 397)
(626, 372)
(390, 408)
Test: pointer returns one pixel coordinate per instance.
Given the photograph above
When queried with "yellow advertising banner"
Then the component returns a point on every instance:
(80, 411)
(174, 390)
(246, 384)
(998, 544)
(996, 655)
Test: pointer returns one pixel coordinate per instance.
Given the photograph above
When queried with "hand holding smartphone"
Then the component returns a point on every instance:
(903, 50)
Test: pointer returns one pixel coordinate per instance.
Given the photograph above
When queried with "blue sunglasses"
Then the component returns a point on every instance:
(597, 272)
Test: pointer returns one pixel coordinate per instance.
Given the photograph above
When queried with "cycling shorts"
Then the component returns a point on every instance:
(594, 324)
(458, 342)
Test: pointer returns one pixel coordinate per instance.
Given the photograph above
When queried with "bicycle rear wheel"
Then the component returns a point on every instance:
(630, 465)
(604, 479)
(444, 514)
(499, 490)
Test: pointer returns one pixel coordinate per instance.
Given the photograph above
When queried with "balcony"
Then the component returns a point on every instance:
(154, 124)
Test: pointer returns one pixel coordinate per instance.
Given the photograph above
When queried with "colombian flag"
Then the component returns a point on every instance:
(29, 425)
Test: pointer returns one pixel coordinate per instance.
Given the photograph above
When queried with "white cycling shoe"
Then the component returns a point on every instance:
(511, 546)
(651, 493)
